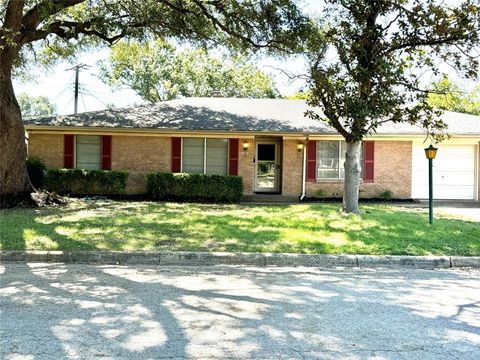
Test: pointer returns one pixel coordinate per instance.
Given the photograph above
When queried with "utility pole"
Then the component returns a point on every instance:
(77, 72)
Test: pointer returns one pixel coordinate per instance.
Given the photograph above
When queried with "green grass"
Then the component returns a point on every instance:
(303, 228)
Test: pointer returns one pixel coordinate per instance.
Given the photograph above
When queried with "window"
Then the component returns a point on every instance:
(217, 156)
(331, 159)
(88, 152)
(193, 155)
(205, 156)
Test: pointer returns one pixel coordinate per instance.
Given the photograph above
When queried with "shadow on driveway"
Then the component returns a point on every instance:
(59, 311)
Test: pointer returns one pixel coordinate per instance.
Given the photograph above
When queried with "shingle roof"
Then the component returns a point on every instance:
(232, 114)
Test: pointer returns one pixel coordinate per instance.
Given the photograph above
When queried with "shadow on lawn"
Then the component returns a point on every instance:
(316, 228)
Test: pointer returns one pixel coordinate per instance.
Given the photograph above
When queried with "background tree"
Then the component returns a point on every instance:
(371, 71)
(66, 26)
(447, 95)
(300, 95)
(35, 105)
(157, 71)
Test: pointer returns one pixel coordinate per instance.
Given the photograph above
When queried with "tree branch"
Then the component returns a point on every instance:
(13, 15)
(227, 30)
(71, 30)
(43, 10)
(424, 42)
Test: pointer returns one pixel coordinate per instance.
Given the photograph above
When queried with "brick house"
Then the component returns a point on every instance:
(268, 142)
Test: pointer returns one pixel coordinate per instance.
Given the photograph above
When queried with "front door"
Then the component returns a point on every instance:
(267, 167)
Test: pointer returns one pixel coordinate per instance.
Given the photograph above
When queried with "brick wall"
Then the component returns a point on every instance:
(292, 168)
(142, 154)
(139, 155)
(392, 168)
(246, 166)
(49, 148)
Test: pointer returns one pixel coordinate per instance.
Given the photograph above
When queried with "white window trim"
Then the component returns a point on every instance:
(75, 152)
(205, 155)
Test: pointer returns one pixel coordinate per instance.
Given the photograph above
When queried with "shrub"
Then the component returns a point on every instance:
(194, 187)
(86, 182)
(386, 195)
(36, 169)
(320, 193)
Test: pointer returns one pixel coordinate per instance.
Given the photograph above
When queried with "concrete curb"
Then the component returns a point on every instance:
(184, 258)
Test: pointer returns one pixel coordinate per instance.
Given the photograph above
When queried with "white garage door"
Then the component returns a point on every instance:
(453, 173)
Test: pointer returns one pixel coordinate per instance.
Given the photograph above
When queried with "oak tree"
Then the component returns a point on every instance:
(371, 73)
(159, 71)
(35, 105)
(66, 26)
(447, 95)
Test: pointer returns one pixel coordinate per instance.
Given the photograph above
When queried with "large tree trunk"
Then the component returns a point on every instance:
(14, 181)
(352, 177)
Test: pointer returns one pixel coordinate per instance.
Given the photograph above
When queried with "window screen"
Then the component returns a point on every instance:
(88, 152)
(193, 155)
(327, 159)
(331, 159)
(217, 156)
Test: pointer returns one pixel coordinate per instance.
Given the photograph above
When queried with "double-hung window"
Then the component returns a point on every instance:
(205, 156)
(88, 152)
(331, 158)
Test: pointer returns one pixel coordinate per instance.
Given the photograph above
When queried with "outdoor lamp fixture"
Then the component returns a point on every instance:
(245, 146)
(430, 153)
(300, 146)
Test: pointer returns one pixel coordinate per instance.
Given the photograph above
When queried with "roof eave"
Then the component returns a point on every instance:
(150, 131)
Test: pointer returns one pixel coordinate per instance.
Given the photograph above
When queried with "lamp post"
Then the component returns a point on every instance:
(430, 153)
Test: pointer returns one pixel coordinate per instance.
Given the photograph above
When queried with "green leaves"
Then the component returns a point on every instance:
(86, 182)
(157, 71)
(377, 53)
(275, 25)
(194, 187)
(446, 95)
(35, 105)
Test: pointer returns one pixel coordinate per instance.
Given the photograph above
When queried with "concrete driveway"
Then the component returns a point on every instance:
(469, 210)
(88, 312)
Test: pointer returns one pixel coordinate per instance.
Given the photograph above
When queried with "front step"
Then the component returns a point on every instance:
(270, 198)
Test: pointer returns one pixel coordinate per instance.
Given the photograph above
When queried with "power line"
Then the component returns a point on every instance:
(77, 74)
(61, 91)
(92, 95)
(66, 105)
(102, 92)
(83, 101)
(99, 96)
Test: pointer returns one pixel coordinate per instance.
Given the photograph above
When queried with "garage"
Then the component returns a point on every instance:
(453, 172)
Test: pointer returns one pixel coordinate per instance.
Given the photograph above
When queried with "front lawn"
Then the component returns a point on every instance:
(302, 228)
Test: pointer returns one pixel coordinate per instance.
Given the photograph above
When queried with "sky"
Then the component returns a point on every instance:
(58, 83)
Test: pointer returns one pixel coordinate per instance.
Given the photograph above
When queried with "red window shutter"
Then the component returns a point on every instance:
(368, 161)
(311, 160)
(68, 150)
(233, 157)
(106, 152)
(176, 154)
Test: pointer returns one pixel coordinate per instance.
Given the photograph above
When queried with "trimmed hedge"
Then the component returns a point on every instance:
(194, 187)
(36, 170)
(85, 182)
